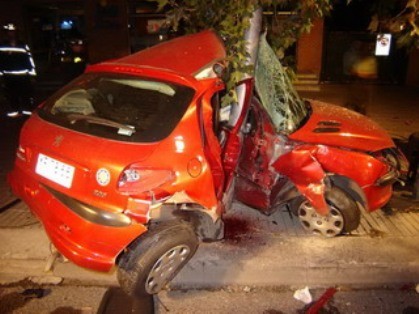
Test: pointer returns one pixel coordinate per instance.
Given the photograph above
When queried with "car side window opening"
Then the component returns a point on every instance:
(282, 103)
(216, 106)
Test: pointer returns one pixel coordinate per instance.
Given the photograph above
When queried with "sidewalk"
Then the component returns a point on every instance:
(260, 250)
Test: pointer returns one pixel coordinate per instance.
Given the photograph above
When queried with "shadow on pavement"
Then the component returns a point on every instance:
(116, 300)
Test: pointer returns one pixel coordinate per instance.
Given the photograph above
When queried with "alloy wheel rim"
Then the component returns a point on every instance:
(165, 268)
(329, 226)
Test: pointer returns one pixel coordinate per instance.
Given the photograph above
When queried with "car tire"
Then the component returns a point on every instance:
(344, 215)
(153, 260)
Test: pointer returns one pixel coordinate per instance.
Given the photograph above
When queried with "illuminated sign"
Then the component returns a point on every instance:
(382, 45)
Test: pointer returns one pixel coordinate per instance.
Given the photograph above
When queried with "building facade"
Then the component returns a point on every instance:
(114, 28)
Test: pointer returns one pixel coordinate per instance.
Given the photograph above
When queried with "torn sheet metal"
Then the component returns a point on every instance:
(303, 169)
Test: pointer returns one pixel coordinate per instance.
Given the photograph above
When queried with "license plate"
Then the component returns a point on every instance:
(55, 170)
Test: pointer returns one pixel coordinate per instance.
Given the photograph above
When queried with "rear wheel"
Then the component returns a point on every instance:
(344, 215)
(155, 258)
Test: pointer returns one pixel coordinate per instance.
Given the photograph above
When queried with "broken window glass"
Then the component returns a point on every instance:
(273, 85)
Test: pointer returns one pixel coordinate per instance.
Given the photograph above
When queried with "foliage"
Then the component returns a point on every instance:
(402, 20)
(285, 30)
(230, 18)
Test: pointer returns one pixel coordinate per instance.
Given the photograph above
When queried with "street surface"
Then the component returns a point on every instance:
(27, 298)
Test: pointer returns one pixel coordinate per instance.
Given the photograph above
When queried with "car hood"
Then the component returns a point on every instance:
(338, 126)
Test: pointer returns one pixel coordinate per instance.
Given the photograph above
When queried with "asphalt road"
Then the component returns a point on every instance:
(26, 297)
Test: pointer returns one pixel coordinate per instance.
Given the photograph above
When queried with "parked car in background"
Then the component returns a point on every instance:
(133, 162)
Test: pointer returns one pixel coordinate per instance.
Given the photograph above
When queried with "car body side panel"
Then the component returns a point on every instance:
(212, 148)
(184, 147)
(251, 194)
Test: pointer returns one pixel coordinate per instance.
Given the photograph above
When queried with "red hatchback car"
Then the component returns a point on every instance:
(134, 162)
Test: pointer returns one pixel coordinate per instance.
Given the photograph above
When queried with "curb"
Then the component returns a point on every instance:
(264, 261)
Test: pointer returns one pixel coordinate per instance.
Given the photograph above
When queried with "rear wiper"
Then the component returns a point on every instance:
(123, 129)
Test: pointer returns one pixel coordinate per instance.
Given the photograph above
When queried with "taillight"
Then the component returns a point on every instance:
(135, 180)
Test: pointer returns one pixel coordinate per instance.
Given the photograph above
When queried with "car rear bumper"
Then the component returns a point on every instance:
(85, 243)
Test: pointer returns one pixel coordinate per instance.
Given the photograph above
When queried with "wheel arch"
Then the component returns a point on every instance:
(207, 225)
(138, 261)
(345, 209)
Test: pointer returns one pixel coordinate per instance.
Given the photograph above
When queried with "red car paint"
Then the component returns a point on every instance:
(81, 241)
(345, 128)
(95, 218)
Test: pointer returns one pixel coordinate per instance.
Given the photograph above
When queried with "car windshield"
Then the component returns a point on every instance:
(121, 107)
(286, 109)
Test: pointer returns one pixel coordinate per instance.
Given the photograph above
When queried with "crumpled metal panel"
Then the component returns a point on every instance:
(303, 169)
(308, 166)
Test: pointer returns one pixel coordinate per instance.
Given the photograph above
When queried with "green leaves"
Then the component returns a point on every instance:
(398, 17)
(230, 18)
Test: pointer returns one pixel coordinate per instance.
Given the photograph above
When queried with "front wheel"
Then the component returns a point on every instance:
(155, 258)
(344, 215)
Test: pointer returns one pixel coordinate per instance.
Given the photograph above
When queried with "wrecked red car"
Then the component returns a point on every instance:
(135, 161)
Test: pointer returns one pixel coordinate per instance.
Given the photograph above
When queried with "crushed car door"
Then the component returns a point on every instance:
(255, 175)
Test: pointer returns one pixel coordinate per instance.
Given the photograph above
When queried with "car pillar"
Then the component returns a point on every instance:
(252, 38)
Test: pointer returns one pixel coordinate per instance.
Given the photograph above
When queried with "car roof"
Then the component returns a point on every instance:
(187, 55)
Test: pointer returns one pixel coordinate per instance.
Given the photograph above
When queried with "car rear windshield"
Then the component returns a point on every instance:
(119, 107)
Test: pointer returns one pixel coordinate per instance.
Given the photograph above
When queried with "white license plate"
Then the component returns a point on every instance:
(55, 170)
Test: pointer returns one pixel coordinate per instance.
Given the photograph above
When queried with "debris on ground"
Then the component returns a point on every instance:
(375, 233)
(388, 210)
(303, 295)
(317, 306)
(46, 280)
(247, 289)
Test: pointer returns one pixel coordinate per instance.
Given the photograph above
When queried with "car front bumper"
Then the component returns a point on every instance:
(86, 243)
